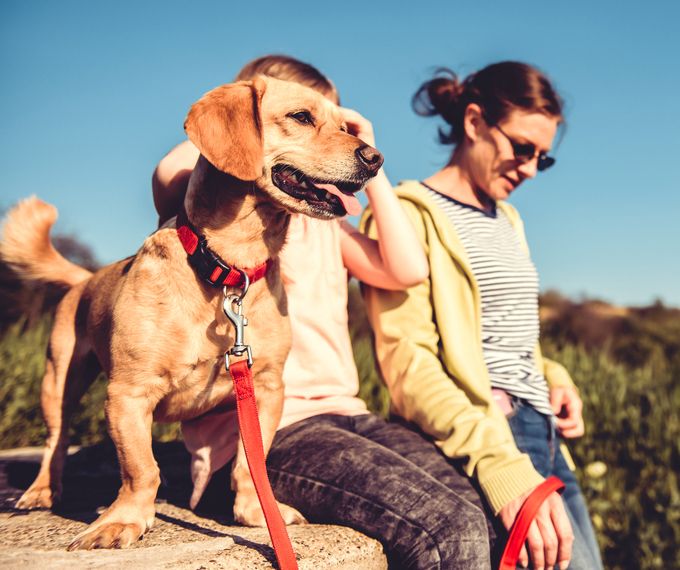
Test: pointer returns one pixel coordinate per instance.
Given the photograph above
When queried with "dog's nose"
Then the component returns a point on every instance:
(370, 158)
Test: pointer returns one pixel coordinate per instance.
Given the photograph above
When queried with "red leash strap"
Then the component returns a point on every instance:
(525, 516)
(249, 424)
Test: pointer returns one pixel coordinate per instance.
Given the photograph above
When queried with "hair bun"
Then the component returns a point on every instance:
(444, 93)
(439, 96)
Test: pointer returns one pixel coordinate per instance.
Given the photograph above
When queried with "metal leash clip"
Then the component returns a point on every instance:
(233, 309)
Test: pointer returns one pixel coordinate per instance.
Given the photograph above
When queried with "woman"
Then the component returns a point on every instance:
(331, 459)
(459, 352)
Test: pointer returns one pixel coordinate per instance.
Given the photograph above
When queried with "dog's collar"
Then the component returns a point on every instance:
(208, 264)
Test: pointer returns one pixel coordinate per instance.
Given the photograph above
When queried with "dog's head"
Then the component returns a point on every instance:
(288, 139)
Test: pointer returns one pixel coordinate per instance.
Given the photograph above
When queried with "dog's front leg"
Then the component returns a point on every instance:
(129, 411)
(269, 399)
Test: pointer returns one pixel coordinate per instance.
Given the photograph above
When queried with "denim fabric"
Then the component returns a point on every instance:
(386, 481)
(535, 435)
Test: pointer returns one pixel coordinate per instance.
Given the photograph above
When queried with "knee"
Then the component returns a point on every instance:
(447, 535)
(463, 538)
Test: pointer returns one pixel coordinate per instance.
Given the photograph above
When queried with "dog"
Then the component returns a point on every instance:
(269, 148)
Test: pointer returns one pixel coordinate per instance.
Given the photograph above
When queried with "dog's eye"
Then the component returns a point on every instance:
(304, 117)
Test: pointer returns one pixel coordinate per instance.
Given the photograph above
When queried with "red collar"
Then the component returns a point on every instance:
(207, 263)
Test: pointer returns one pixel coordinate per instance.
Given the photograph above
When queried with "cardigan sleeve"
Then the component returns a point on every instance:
(556, 374)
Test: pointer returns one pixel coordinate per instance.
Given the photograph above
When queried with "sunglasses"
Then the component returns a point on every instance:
(525, 152)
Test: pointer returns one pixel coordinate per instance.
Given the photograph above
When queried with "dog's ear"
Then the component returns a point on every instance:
(225, 126)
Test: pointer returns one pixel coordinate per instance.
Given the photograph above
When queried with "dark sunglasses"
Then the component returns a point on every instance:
(525, 152)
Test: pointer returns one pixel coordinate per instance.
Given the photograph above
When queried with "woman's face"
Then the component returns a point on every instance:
(493, 167)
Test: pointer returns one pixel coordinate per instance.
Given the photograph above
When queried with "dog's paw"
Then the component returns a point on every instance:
(291, 515)
(249, 513)
(119, 526)
(34, 498)
(108, 535)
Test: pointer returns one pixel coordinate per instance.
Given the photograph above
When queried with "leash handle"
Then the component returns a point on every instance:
(525, 516)
(251, 434)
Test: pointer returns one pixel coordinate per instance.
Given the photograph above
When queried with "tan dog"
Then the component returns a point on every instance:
(268, 148)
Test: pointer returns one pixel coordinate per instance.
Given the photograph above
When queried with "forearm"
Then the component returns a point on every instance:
(168, 197)
(555, 374)
(171, 178)
(400, 250)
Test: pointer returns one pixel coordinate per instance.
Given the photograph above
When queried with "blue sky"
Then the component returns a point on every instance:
(95, 93)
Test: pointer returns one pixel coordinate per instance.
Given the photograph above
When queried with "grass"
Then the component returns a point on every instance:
(629, 460)
(22, 363)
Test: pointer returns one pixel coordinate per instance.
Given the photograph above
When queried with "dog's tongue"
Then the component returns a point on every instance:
(349, 202)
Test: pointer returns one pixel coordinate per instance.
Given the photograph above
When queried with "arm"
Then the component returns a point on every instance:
(565, 399)
(171, 178)
(395, 259)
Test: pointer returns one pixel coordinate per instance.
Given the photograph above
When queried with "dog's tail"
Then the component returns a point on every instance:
(26, 246)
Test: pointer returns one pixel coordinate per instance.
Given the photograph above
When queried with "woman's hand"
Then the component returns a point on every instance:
(550, 537)
(358, 125)
(567, 406)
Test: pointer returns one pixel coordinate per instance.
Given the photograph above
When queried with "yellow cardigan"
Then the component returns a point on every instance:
(429, 348)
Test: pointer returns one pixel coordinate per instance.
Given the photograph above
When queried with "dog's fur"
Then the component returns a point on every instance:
(155, 328)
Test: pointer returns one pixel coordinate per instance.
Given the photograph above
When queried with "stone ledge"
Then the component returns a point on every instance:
(180, 539)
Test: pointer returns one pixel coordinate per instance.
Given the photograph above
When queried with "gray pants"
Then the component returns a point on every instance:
(386, 481)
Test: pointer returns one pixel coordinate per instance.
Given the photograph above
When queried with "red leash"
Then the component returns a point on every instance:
(525, 516)
(251, 434)
(249, 424)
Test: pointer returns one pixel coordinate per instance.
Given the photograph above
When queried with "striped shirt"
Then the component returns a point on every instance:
(508, 286)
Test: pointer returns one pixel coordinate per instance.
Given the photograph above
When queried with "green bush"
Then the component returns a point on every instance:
(22, 364)
(633, 429)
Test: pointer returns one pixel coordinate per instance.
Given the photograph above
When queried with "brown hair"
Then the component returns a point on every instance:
(498, 89)
(290, 69)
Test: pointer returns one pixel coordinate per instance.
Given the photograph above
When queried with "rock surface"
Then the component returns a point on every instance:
(180, 539)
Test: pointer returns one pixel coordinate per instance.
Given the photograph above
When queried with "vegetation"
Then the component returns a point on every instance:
(22, 363)
(629, 460)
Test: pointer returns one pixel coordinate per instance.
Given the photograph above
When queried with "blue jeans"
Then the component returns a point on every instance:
(386, 481)
(535, 435)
